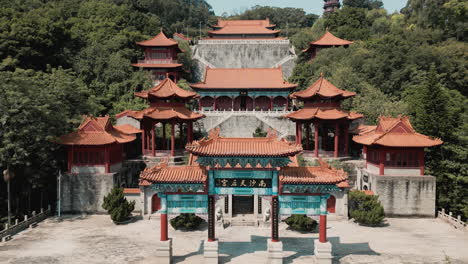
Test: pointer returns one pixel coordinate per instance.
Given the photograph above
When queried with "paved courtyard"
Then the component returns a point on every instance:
(94, 239)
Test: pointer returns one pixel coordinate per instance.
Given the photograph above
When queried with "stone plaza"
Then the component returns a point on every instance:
(95, 239)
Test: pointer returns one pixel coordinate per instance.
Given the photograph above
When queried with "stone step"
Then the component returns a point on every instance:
(243, 223)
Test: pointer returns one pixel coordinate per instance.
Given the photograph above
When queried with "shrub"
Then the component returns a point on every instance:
(301, 223)
(365, 209)
(186, 222)
(259, 132)
(117, 205)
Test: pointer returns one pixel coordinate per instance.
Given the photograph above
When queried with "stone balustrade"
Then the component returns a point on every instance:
(455, 222)
(29, 221)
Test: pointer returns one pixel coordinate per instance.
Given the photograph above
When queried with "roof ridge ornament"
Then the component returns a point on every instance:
(214, 133)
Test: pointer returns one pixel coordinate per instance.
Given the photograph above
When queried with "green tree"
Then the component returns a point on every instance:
(368, 4)
(117, 205)
(365, 209)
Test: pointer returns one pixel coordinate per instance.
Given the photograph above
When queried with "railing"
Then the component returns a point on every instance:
(161, 61)
(31, 221)
(455, 222)
(244, 41)
(241, 112)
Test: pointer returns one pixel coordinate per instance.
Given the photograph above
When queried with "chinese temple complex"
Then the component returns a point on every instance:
(243, 29)
(160, 58)
(394, 154)
(328, 40)
(243, 176)
(243, 89)
(166, 108)
(322, 109)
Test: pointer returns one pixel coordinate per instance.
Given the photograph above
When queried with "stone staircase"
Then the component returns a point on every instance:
(244, 221)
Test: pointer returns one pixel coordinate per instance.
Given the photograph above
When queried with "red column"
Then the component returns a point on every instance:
(189, 132)
(107, 157)
(172, 139)
(307, 135)
(164, 230)
(271, 102)
(298, 133)
(199, 104)
(316, 139)
(181, 136)
(323, 229)
(337, 128)
(153, 141)
(346, 140)
(381, 163)
(214, 103)
(164, 136)
(287, 103)
(211, 218)
(143, 135)
(421, 162)
(70, 158)
(274, 218)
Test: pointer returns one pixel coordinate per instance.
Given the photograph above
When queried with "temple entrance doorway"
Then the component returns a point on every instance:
(242, 204)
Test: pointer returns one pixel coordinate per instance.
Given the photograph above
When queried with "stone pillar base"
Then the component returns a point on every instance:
(322, 252)
(210, 252)
(275, 252)
(164, 251)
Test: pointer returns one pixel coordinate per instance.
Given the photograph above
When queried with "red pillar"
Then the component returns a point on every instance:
(214, 103)
(271, 102)
(164, 230)
(164, 136)
(211, 218)
(143, 136)
(189, 132)
(172, 139)
(199, 104)
(70, 158)
(337, 128)
(153, 141)
(181, 136)
(274, 218)
(316, 139)
(298, 133)
(307, 135)
(381, 163)
(323, 229)
(107, 157)
(421, 162)
(287, 104)
(346, 142)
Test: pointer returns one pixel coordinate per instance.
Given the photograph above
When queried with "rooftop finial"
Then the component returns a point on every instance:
(321, 74)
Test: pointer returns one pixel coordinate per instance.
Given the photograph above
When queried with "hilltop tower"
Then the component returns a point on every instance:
(330, 6)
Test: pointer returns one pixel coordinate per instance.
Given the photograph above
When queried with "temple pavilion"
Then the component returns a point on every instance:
(393, 147)
(160, 58)
(166, 108)
(98, 146)
(322, 109)
(244, 29)
(244, 89)
(328, 40)
(329, 6)
(243, 176)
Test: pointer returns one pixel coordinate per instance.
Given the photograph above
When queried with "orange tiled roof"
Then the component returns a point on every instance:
(159, 65)
(177, 174)
(160, 40)
(323, 88)
(269, 146)
(263, 23)
(324, 113)
(323, 174)
(182, 36)
(128, 129)
(131, 190)
(362, 129)
(396, 132)
(163, 113)
(95, 131)
(166, 89)
(226, 27)
(328, 39)
(246, 78)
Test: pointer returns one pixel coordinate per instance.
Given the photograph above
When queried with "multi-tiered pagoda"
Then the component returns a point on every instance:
(160, 58)
(330, 6)
(167, 107)
(322, 108)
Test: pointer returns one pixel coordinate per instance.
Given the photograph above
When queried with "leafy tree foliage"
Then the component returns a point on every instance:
(186, 222)
(369, 4)
(259, 132)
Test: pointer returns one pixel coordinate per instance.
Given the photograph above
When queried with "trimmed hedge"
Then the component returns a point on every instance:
(365, 209)
(186, 222)
(301, 223)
